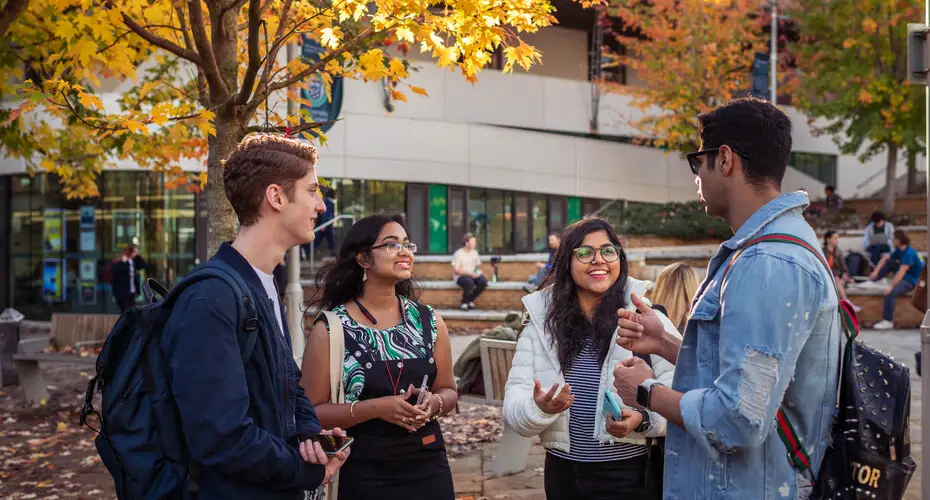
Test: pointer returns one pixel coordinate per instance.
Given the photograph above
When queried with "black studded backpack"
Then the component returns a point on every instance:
(870, 452)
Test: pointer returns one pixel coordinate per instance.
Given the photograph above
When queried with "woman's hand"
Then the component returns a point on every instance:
(629, 421)
(549, 403)
(396, 410)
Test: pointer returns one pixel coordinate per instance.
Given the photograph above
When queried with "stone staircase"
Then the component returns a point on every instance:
(434, 275)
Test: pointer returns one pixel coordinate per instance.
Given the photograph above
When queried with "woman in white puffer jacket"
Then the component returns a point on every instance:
(564, 364)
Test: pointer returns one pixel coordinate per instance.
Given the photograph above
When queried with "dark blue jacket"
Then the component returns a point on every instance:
(240, 423)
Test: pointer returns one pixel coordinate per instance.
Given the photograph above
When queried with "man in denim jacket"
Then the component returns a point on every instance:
(765, 337)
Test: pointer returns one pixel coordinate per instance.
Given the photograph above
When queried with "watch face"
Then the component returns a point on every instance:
(642, 397)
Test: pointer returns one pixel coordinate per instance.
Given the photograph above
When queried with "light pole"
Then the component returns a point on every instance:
(294, 293)
(773, 55)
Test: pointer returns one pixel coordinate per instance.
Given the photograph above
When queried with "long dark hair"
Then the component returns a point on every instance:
(826, 237)
(565, 321)
(341, 281)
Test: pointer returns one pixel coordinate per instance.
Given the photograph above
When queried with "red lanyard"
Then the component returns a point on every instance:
(387, 366)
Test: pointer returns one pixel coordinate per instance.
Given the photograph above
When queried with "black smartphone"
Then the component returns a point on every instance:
(332, 444)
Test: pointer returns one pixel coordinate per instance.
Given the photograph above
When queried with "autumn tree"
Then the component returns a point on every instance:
(853, 59)
(691, 55)
(195, 76)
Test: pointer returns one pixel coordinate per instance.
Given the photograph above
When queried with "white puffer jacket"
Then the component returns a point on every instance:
(536, 359)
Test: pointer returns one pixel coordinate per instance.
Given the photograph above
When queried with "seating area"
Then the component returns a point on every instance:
(434, 275)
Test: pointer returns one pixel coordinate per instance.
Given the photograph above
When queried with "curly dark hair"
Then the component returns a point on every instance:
(341, 281)
(569, 327)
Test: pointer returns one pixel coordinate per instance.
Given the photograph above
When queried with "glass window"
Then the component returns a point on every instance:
(522, 227)
(540, 223)
(819, 166)
(62, 248)
(500, 220)
(478, 217)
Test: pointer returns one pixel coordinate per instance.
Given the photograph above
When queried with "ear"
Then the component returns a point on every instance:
(363, 259)
(275, 197)
(726, 160)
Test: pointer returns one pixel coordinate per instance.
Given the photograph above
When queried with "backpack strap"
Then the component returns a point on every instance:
(797, 455)
(247, 315)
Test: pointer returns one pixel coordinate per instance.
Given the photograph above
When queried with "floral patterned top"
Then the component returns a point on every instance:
(399, 342)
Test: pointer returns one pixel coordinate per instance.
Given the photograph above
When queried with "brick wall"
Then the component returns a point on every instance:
(493, 300)
(442, 271)
(905, 315)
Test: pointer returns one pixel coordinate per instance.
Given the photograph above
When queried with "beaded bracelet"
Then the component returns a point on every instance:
(442, 404)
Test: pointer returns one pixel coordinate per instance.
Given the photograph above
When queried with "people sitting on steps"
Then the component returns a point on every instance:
(466, 271)
(543, 268)
(906, 264)
(837, 262)
(877, 238)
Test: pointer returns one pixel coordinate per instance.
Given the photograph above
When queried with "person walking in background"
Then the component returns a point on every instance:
(391, 344)
(561, 375)
(905, 260)
(125, 272)
(466, 271)
(674, 290)
(837, 262)
(878, 236)
(328, 233)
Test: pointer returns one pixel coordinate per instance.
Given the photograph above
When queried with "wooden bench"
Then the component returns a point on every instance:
(73, 328)
(26, 362)
(496, 359)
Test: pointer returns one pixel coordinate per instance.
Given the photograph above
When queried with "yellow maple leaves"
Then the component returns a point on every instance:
(163, 105)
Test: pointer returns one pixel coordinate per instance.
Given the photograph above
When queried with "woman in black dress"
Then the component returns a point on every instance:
(391, 343)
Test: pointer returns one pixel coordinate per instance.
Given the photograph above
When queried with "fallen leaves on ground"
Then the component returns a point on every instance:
(471, 427)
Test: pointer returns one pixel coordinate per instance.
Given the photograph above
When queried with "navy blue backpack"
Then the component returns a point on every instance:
(139, 437)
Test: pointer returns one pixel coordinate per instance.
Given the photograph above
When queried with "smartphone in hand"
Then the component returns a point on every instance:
(331, 444)
(613, 405)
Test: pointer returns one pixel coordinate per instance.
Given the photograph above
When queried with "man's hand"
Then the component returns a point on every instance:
(888, 290)
(313, 453)
(629, 421)
(640, 332)
(549, 403)
(628, 374)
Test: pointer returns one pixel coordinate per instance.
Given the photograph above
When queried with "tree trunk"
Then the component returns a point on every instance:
(890, 171)
(221, 220)
(911, 172)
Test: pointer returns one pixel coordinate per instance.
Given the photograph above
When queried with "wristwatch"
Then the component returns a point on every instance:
(644, 426)
(644, 394)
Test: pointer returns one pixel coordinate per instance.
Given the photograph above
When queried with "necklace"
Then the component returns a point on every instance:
(387, 366)
(371, 318)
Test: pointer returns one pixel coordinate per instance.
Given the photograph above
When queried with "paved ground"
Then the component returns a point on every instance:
(472, 473)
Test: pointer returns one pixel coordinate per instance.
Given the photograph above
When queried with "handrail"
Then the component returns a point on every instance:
(325, 225)
(333, 221)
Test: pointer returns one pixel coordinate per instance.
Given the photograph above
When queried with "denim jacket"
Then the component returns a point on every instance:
(767, 336)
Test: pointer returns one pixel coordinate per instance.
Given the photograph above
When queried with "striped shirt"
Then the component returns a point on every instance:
(585, 378)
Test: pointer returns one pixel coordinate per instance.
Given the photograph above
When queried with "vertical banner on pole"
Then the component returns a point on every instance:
(319, 106)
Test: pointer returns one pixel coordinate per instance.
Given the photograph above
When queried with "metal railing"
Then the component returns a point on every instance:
(324, 225)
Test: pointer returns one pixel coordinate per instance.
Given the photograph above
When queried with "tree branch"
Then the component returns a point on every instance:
(210, 69)
(108, 47)
(160, 42)
(290, 130)
(9, 13)
(272, 53)
(248, 81)
(287, 82)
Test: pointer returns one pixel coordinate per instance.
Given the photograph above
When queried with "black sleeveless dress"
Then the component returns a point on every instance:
(387, 461)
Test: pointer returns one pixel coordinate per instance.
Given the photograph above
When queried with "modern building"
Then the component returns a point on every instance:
(510, 158)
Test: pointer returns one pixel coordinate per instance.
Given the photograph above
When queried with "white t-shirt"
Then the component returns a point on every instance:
(268, 282)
